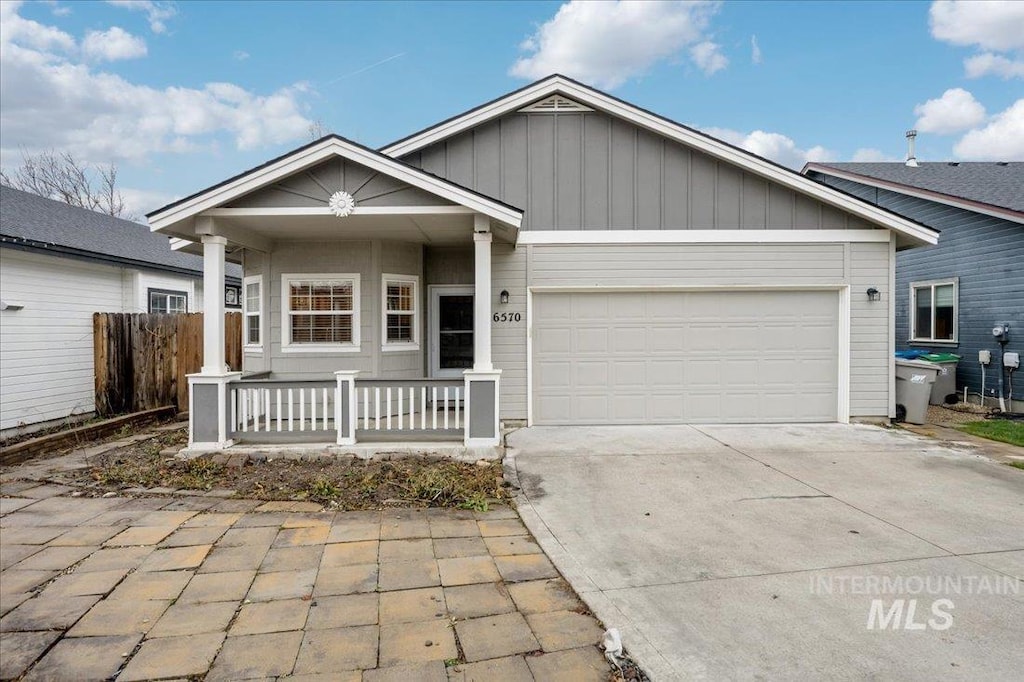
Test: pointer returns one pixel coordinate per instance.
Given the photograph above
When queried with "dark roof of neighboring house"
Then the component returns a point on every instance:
(999, 184)
(40, 224)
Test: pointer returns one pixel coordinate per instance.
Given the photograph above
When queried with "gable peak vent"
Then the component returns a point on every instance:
(556, 104)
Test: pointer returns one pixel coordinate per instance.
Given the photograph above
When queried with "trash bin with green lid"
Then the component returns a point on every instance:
(944, 388)
(914, 381)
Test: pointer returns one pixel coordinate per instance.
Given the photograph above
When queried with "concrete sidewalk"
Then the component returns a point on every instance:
(756, 552)
(160, 588)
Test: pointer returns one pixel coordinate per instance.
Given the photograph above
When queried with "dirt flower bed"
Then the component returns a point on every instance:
(338, 482)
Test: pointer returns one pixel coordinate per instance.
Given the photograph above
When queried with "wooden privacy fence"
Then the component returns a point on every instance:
(141, 360)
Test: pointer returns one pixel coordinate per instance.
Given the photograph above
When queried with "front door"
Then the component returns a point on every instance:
(451, 335)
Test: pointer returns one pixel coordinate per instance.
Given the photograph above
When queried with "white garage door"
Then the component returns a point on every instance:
(685, 357)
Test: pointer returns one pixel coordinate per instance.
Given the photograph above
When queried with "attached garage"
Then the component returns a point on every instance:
(650, 357)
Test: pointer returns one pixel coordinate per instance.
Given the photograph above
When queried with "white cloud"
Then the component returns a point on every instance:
(61, 10)
(865, 154)
(755, 51)
(989, 24)
(112, 44)
(157, 13)
(1001, 140)
(52, 101)
(997, 65)
(28, 33)
(775, 146)
(956, 110)
(708, 57)
(607, 43)
(240, 55)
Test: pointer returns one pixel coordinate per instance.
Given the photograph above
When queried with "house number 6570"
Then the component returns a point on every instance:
(508, 317)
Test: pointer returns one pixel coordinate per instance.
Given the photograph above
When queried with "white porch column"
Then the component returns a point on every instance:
(482, 382)
(482, 296)
(213, 305)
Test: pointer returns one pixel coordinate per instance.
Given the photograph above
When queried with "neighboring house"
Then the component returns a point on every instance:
(58, 265)
(561, 255)
(950, 296)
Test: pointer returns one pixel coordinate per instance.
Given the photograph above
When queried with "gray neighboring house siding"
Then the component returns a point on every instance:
(986, 254)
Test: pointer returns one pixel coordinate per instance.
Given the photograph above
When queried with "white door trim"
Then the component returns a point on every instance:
(842, 388)
(434, 291)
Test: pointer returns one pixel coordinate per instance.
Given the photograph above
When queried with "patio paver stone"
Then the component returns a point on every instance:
(407, 606)
(272, 616)
(172, 657)
(406, 575)
(92, 658)
(495, 636)
(256, 656)
(325, 651)
(404, 643)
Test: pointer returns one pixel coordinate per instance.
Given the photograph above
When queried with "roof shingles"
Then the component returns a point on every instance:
(26, 217)
(999, 184)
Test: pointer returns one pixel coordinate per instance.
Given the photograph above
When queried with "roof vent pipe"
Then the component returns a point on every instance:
(911, 159)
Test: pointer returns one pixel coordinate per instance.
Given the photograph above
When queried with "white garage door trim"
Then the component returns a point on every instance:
(843, 379)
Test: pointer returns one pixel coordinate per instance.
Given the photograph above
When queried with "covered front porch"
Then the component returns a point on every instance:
(367, 304)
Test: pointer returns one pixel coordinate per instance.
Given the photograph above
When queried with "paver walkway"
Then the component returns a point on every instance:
(206, 588)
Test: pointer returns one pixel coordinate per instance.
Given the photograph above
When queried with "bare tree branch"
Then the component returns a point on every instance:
(317, 129)
(62, 177)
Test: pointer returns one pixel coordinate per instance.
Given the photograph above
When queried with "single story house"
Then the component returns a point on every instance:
(554, 256)
(59, 264)
(950, 296)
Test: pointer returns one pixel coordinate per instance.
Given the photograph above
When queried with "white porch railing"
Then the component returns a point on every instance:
(272, 411)
(261, 408)
(420, 407)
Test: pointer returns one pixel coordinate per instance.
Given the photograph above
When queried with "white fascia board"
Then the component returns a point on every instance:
(937, 197)
(704, 143)
(317, 153)
(272, 211)
(701, 236)
(512, 102)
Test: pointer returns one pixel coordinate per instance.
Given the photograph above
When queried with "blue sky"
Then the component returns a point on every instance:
(182, 95)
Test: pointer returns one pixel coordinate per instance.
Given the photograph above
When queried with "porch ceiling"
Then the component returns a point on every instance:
(255, 229)
(426, 229)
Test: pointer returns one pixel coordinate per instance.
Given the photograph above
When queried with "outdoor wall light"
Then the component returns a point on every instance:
(503, 296)
(874, 294)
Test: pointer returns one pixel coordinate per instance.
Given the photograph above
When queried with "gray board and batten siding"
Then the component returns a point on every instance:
(984, 252)
(591, 171)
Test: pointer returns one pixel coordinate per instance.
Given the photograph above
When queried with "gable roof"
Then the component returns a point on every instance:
(600, 101)
(36, 223)
(316, 152)
(988, 187)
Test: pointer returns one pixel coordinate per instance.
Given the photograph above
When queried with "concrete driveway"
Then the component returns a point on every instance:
(741, 552)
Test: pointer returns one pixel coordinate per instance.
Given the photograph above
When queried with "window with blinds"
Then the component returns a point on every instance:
(321, 312)
(400, 312)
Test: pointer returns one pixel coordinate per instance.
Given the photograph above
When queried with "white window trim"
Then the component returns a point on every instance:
(246, 314)
(914, 286)
(162, 291)
(393, 346)
(286, 328)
